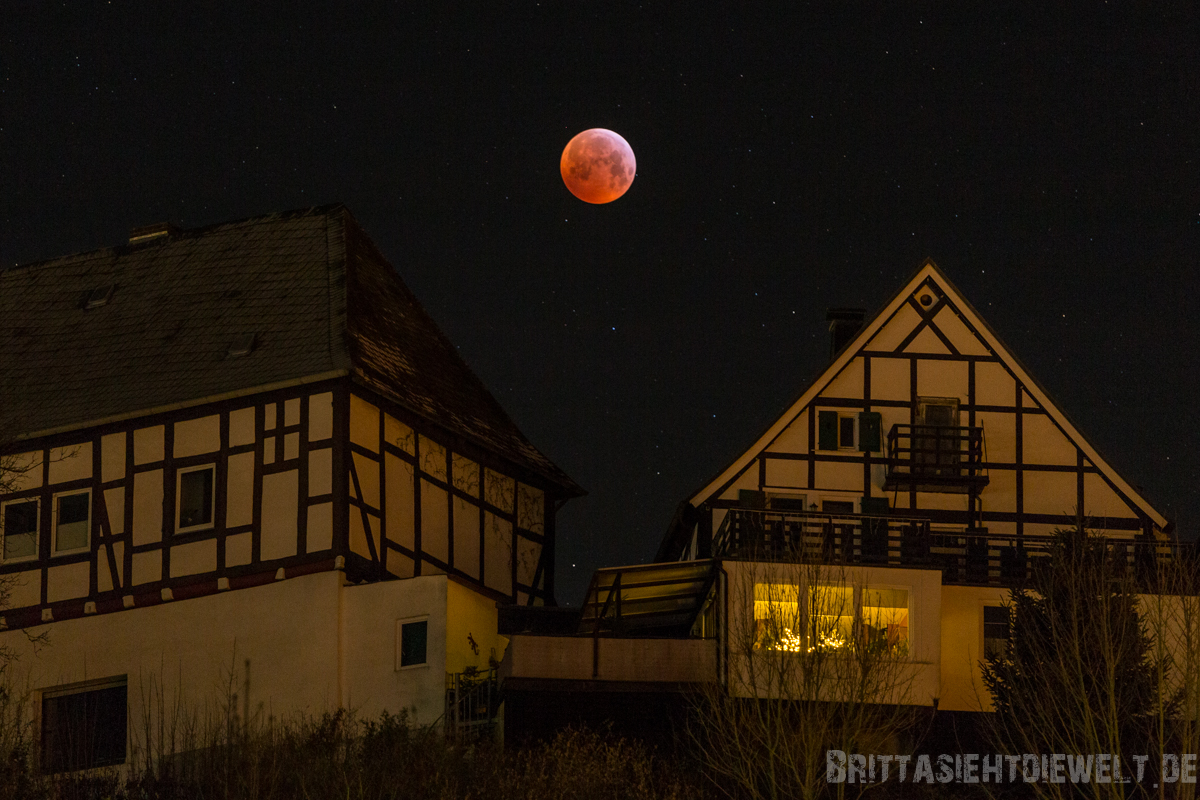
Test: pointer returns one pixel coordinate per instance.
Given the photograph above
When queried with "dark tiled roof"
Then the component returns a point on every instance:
(309, 284)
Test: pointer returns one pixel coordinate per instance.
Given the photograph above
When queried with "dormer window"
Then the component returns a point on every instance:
(99, 296)
(243, 346)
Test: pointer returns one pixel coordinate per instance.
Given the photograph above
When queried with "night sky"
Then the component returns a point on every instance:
(788, 162)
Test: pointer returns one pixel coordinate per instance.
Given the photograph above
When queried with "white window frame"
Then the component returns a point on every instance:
(212, 521)
(400, 623)
(55, 551)
(853, 446)
(37, 530)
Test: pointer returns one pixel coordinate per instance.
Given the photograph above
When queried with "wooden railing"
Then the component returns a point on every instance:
(935, 456)
(970, 556)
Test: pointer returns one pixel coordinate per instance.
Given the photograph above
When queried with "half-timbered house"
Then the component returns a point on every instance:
(246, 450)
(925, 468)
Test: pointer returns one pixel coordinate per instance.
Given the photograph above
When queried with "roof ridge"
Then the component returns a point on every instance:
(179, 233)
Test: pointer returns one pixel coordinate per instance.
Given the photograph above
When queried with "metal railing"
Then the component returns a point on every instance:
(971, 556)
(935, 455)
(472, 704)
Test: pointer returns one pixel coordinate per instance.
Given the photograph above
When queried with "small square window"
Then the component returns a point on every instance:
(414, 637)
(20, 529)
(196, 498)
(83, 729)
(72, 521)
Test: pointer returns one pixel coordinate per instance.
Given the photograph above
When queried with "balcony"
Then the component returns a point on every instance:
(935, 458)
(969, 557)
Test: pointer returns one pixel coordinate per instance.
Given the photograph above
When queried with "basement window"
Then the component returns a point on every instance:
(20, 529)
(412, 639)
(84, 726)
(195, 498)
(99, 296)
(72, 518)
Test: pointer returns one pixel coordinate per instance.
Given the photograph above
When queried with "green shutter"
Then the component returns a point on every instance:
(749, 498)
(875, 506)
(870, 431)
(827, 430)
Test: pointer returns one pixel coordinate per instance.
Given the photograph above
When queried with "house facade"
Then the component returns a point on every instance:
(245, 455)
(901, 495)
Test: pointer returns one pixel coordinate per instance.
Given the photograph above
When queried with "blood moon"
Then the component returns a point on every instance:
(598, 166)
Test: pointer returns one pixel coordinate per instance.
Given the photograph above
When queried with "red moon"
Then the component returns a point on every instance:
(598, 166)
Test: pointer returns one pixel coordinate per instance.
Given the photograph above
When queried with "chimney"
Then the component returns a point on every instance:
(844, 323)
(146, 233)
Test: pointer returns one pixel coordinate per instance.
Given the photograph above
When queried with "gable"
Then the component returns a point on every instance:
(928, 341)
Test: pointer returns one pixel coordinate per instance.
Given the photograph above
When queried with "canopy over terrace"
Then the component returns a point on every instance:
(667, 600)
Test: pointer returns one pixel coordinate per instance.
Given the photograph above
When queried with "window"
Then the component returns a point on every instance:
(99, 296)
(196, 498)
(84, 727)
(777, 621)
(829, 617)
(72, 519)
(837, 506)
(885, 617)
(837, 430)
(937, 442)
(995, 630)
(779, 501)
(20, 529)
(413, 638)
(846, 432)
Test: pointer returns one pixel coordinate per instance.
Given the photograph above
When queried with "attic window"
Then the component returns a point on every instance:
(243, 346)
(99, 296)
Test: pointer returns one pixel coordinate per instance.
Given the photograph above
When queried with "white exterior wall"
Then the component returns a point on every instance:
(313, 642)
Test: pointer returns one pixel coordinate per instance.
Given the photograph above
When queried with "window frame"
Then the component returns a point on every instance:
(400, 623)
(839, 415)
(54, 500)
(806, 593)
(212, 500)
(37, 529)
(983, 628)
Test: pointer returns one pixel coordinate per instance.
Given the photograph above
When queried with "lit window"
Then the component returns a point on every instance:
(829, 618)
(72, 516)
(20, 529)
(995, 631)
(196, 498)
(885, 617)
(777, 622)
(414, 637)
(84, 728)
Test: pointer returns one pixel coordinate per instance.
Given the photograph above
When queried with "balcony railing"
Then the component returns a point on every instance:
(939, 458)
(970, 556)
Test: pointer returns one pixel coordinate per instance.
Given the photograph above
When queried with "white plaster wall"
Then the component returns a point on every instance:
(369, 658)
(962, 646)
(187, 648)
